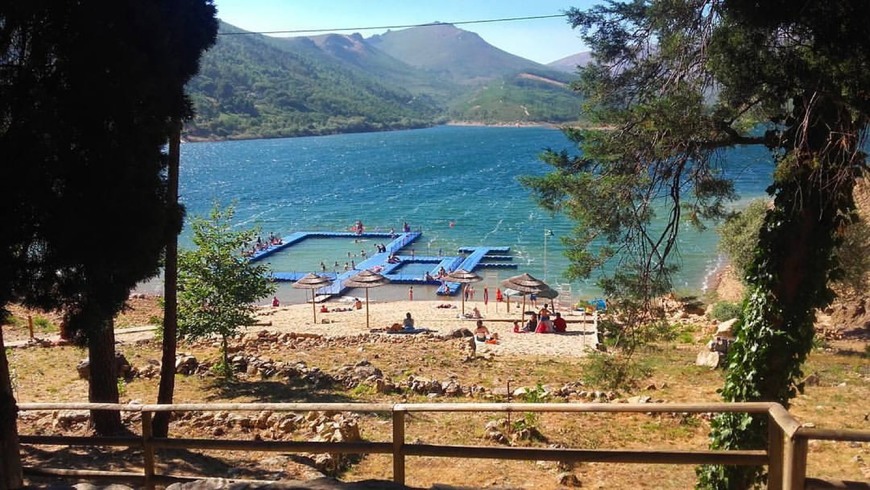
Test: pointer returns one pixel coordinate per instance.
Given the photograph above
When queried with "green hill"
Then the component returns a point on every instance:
(253, 86)
(248, 87)
(527, 97)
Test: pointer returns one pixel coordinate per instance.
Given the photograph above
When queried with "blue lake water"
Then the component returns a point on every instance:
(456, 184)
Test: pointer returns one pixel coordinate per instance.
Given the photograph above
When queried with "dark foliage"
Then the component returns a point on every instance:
(675, 81)
(89, 90)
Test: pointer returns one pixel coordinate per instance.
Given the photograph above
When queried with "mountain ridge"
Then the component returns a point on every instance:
(254, 86)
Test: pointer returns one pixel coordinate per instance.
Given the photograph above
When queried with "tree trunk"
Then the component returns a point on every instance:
(10, 456)
(225, 349)
(103, 387)
(160, 424)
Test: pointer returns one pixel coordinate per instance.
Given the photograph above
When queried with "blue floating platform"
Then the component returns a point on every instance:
(379, 262)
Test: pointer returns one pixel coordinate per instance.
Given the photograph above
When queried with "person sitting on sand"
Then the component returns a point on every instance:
(357, 304)
(559, 324)
(275, 302)
(324, 309)
(408, 322)
(481, 333)
(475, 313)
(532, 324)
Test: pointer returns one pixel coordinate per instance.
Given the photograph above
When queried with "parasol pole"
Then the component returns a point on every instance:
(313, 307)
(367, 308)
(523, 311)
(462, 293)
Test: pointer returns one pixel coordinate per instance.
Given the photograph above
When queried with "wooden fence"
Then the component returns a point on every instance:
(785, 456)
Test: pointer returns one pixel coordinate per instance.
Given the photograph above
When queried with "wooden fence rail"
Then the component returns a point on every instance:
(785, 455)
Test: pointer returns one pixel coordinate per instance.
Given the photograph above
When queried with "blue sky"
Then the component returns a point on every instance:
(542, 40)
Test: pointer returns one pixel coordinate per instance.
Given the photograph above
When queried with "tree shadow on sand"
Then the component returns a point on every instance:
(273, 391)
(176, 462)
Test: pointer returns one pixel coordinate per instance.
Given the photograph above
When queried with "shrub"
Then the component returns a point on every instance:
(43, 324)
(613, 371)
(738, 235)
(726, 310)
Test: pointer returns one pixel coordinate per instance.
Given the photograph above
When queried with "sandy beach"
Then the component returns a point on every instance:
(427, 314)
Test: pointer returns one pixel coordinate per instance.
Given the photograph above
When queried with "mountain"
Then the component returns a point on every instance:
(253, 86)
(570, 63)
(354, 53)
(443, 49)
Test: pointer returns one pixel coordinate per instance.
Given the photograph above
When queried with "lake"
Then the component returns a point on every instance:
(457, 184)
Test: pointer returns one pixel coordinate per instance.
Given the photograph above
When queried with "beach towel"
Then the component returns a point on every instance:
(411, 331)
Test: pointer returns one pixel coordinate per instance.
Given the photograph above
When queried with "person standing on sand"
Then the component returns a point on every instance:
(410, 294)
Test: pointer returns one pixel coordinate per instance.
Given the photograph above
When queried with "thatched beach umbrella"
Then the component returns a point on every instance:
(525, 284)
(313, 282)
(463, 277)
(366, 279)
(549, 293)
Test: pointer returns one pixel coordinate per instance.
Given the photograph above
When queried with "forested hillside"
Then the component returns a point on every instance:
(522, 98)
(249, 88)
(253, 86)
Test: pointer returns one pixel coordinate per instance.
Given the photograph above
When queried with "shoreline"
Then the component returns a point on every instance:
(190, 139)
(724, 283)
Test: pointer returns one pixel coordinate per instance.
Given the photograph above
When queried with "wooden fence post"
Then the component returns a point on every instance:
(795, 468)
(775, 450)
(148, 449)
(398, 446)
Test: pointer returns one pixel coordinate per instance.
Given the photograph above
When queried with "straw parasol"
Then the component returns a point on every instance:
(525, 284)
(366, 279)
(313, 282)
(549, 293)
(463, 277)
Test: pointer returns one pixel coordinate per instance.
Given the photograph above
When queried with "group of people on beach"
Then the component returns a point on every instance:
(540, 322)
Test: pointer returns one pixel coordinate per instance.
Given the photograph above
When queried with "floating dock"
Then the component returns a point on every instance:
(472, 258)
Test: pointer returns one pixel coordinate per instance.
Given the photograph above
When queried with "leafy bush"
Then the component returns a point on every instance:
(11, 320)
(726, 310)
(738, 235)
(613, 371)
(43, 324)
(536, 395)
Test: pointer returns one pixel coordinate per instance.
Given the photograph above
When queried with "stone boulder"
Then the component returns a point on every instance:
(709, 359)
(185, 364)
(122, 367)
(726, 328)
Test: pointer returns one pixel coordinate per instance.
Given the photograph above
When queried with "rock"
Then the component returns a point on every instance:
(461, 332)
(569, 480)
(726, 328)
(496, 436)
(68, 418)
(707, 358)
(639, 399)
(263, 419)
(186, 364)
(84, 369)
(811, 380)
